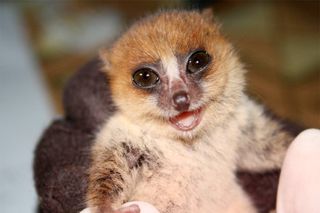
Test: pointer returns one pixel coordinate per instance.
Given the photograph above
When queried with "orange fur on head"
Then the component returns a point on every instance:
(163, 35)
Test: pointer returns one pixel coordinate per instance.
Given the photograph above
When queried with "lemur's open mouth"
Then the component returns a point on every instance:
(186, 121)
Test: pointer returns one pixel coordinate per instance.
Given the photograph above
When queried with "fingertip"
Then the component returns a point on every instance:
(134, 208)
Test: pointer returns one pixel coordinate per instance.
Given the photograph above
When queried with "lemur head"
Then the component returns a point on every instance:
(174, 72)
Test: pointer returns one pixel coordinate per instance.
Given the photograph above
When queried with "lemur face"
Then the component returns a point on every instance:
(174, 85)
(169, 68)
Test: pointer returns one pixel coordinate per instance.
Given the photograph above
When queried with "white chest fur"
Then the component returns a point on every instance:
(191, 178)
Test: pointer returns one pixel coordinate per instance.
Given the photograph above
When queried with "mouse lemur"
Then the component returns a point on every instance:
(183, 124)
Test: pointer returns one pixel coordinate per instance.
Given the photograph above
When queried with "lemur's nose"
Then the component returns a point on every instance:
(181, 101)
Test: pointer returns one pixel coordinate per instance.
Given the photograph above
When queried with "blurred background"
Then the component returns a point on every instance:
(42, 43)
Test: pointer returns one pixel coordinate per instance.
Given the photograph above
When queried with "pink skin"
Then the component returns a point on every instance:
(174, 121)
(299, 186)
(130, 209)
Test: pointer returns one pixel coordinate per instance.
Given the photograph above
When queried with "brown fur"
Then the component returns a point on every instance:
(62, 159)
(234, 132)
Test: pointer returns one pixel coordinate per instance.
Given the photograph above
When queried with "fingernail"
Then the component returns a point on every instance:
(132, 208)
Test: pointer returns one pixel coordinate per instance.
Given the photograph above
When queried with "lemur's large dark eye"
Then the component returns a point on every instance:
(145, 78)
(198, 61)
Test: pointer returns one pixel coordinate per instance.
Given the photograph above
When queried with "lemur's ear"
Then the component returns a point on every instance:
(104, 56)
(207, 14)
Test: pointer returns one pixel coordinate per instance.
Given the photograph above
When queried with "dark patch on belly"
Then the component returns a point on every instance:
(137, 157)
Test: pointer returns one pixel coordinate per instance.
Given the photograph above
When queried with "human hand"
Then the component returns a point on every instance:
(299, 187)
(126, 209)
(130, 207)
